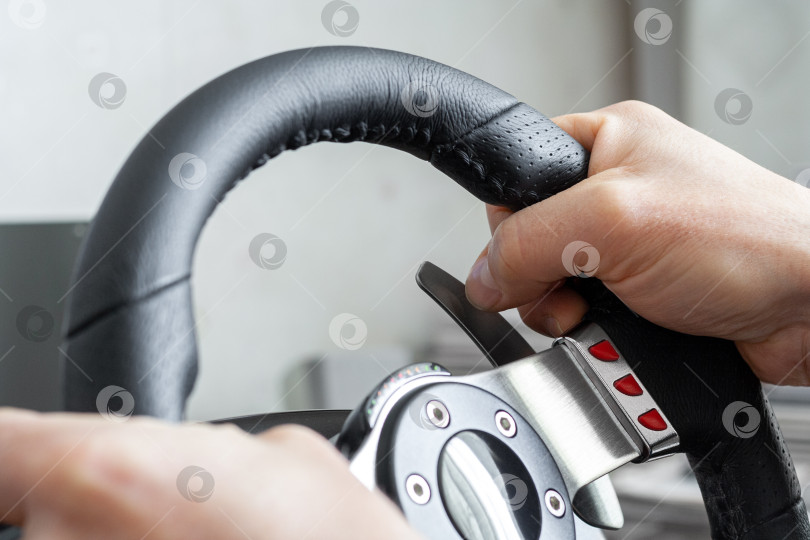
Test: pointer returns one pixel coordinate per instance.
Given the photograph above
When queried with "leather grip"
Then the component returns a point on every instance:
(130, 322)
(129, 319)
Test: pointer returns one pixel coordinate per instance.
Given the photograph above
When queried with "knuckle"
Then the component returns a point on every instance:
(632, 109)
(111, 457)
(624, 127)
(112, 451)
(624, 123)
(99, 471)
(294, 435)
(91, 452)
(301, 442)
(86, 470)
(614, 203)
(226, 429)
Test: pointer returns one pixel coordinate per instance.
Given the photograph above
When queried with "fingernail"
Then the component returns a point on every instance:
(482, 291)
(553, 327)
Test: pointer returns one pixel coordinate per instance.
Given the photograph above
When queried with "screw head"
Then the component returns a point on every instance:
(418, 489)
(437, 414)
(555, 503)
(505, 424)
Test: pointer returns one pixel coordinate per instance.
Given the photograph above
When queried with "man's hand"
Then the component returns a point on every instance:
(71, 476)
(689, 234)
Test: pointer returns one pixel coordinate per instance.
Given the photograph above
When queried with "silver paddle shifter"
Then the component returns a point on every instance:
(509, 453)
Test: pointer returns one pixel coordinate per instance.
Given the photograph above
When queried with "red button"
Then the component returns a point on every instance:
(604, 351)
(628, 386)
(652, 420)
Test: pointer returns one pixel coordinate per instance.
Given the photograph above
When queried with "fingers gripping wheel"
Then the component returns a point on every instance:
(130, 323)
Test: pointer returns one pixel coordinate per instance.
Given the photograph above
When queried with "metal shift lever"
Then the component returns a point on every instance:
(496, 338)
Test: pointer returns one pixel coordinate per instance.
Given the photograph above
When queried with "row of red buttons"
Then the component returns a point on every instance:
(628, 385)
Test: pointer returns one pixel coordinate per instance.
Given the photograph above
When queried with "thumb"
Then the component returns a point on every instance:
(534, 249)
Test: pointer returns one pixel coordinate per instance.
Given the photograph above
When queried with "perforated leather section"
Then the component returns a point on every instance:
(516, 159)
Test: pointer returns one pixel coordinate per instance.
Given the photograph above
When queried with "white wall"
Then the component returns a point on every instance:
(354, 249)
(762, 49)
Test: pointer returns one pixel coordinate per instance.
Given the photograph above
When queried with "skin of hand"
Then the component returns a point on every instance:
(74, 476)
(690, 235)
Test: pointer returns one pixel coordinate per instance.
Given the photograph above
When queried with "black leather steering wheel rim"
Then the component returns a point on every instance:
(130, 323)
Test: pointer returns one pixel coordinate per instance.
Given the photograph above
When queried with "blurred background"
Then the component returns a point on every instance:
(82, 82)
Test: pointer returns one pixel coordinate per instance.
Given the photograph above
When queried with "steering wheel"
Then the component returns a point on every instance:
(130, 319)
